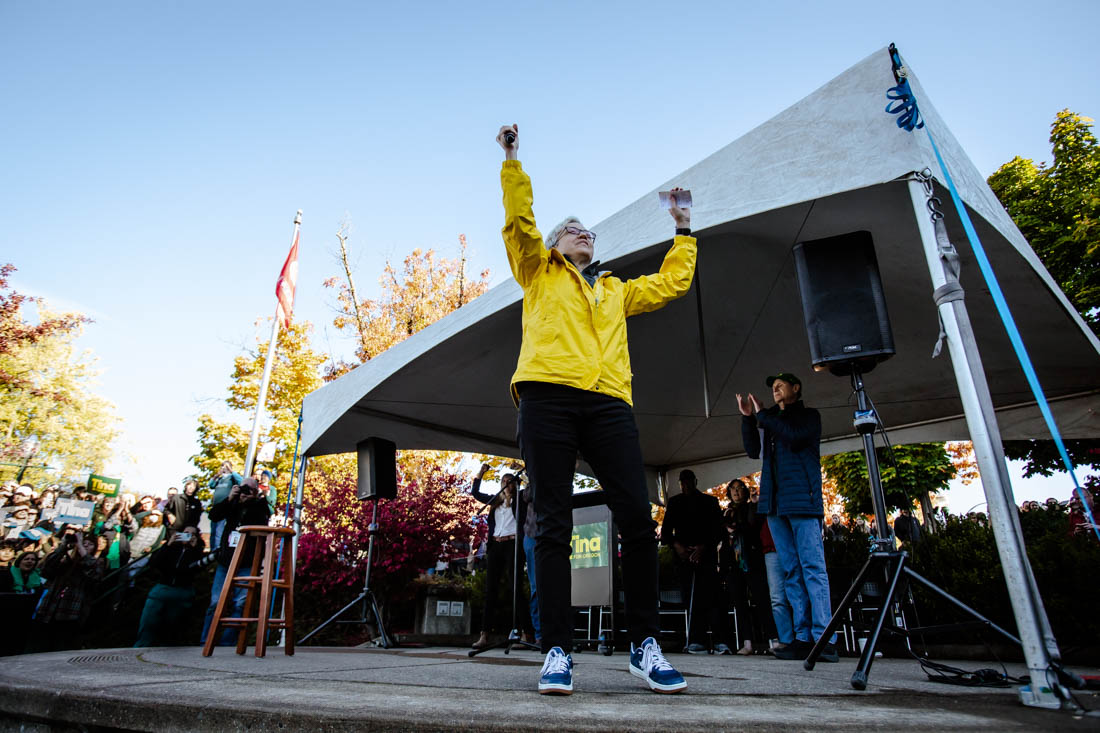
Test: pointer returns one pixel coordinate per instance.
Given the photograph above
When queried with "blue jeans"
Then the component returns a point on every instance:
(529, 552)
(216, 529)
(781, 607)
(802, 554)
(236, 604)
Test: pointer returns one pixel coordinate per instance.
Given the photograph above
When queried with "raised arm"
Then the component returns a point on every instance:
(475, 488)
(522, 240)
(750, 431)
(650, 292)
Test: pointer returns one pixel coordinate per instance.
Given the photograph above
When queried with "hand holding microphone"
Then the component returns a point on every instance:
(508, 138)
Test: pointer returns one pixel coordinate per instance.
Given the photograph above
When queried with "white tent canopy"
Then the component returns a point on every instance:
(833, 163)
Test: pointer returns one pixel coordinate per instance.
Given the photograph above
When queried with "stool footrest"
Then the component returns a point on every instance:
(246, 581)
(252, 620)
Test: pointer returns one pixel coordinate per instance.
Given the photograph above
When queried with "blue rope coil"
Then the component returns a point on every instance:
(904, 104)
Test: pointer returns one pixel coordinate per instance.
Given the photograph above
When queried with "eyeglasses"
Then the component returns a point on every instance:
(582, 233)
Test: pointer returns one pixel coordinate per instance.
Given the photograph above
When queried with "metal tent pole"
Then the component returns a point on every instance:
(1033, 627)
(298, 507)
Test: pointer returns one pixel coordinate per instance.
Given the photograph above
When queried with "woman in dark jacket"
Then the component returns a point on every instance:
(741, 563)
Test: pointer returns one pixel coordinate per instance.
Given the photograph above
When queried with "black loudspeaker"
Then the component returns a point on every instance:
(377, 469)
(843, 303)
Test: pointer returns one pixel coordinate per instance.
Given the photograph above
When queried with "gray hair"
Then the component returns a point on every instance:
(555, 233)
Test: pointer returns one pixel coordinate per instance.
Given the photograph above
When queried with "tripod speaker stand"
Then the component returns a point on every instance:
(885, 561)
(367, 598)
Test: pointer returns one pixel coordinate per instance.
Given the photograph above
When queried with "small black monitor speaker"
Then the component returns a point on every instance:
(377, 458)
(843, 303)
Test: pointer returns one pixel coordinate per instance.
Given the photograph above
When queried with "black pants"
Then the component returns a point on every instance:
(698, 589)
(747, 591)
(555, 423)
(501, 560)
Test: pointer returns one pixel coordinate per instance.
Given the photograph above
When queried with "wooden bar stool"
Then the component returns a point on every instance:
(262, 582)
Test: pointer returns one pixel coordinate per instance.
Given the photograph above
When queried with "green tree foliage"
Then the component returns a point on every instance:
(920, 467)
(1043, 458)
(49, 400)
(1057, 208)
(295, 373)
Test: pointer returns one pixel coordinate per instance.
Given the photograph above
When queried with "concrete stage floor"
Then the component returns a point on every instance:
(339, 689)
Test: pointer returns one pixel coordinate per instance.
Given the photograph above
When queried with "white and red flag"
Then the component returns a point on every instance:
(288, 279)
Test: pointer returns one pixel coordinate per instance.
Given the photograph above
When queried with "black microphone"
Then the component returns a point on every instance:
(510, 137)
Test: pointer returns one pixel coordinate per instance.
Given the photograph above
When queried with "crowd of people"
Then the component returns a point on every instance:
(724, 559)
(64, 549)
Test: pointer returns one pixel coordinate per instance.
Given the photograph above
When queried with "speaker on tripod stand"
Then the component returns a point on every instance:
(377, 464)
(842, 300)
(848, 330)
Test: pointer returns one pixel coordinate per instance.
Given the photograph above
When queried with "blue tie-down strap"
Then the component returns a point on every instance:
(903, 103)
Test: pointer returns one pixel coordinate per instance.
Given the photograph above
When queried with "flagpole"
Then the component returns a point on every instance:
(261, 397)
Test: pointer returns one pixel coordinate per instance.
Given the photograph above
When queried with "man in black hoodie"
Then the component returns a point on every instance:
(185, 508)
(244, 506)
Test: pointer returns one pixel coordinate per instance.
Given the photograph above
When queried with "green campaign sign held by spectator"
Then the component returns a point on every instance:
(104, 485)
(590, 548)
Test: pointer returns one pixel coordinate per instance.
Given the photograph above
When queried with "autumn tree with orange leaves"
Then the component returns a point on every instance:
(426, 288)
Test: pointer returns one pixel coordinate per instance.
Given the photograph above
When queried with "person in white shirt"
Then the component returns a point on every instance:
(501, 553)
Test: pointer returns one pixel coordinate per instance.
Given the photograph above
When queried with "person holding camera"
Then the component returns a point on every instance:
(220, 486)
(71, 571)
(243, 506)
(572, 385)
(172, 597)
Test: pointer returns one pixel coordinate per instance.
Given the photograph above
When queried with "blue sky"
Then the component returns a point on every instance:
(155, 153)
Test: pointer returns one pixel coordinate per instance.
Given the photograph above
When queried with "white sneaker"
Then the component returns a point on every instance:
(556, 677)
(650, 664)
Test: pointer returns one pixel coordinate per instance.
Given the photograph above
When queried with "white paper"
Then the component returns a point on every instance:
(683, 199)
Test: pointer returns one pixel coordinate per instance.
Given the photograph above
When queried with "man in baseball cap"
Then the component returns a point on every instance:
(786, 377)
(790, 497)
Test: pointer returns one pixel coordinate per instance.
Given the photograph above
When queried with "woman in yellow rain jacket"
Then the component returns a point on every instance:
(572, 385)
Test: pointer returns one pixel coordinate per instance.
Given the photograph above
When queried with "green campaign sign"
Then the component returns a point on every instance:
(590, 546)
(104, 485)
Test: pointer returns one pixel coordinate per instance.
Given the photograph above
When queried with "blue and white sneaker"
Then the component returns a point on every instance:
(648, 663)
(557, 673)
